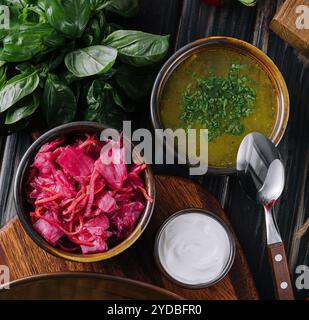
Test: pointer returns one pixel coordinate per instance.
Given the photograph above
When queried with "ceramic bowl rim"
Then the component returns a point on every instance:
(90, 275)
(19, 196)
(230, 259)
(269, 67)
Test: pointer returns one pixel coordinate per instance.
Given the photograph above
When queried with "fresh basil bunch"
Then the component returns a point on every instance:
(67, 60)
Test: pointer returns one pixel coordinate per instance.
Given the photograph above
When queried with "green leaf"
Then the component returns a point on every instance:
(103, 105)
(91, 60)
(23, 45)
(125, 8)
(95, 5)
(249, 3)
(108, 74)
(138, 48)
(17, 88)
(23, 109)
(110, 28)
(41, 69)
(32, 15)
(56, 59)
(25, 67)
(20, 3)
(15, 23)
(136, 83)
(41, 4)
(59, 103)
(69, 17)
(95, 30)
(68, 77)
(2, 76)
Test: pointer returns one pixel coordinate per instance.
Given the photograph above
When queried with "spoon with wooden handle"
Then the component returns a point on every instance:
(261, 174)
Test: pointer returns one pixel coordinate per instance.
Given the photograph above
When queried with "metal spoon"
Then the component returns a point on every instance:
(261, 174)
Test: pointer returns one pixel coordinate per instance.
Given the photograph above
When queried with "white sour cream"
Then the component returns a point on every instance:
(194, 248)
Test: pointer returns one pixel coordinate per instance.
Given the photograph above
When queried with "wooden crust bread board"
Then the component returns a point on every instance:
(24, 258)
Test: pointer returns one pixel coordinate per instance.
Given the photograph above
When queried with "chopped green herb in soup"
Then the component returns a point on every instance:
(224, 91)
(219, 103)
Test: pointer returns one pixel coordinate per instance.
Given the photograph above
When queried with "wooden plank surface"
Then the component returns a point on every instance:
(172, 194)
(189, 20)
(252, 24)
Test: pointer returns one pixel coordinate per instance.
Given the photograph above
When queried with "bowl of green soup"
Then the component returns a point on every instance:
(227, 86)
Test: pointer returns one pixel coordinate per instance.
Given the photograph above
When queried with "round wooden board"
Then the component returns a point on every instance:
(24, 258)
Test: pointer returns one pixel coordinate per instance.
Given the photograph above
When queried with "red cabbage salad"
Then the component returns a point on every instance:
(82, 203)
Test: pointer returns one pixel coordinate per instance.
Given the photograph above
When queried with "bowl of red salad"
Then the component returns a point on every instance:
(75, 204)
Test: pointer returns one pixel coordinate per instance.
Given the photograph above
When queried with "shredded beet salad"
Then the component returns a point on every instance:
(80, 202)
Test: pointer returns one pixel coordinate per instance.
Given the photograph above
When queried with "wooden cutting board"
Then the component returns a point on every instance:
(25, 258)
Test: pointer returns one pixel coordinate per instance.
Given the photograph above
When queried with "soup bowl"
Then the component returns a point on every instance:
(24, 208)
(83, 286)
(243, 48)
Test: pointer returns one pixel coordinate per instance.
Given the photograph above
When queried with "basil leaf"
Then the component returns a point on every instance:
(125, 8)
(95, 30)
(41, 4)
(103, 105)
(55, 60)
(68, 16)
(25, 67)
(108, 74)
(68, 77)
(14, 21)
(31, 15)
(110, 28)
(2, 76)
(90, 61)
(116, 97)
(59, 103)
(22, 45)
(136, 83)
(23, 109)
(138, 48)
(96, 4)
(17, 88)
(20, 3)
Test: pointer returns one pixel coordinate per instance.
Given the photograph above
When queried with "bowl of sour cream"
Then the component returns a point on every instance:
(194, 248)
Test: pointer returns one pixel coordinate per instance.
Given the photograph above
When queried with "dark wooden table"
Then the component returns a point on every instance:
(189, 20)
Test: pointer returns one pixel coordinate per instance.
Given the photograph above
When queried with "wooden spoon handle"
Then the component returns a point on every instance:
(280, 271)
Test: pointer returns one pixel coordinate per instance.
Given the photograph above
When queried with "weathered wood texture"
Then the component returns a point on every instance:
(252, 24)
(12, 149)
(173, 194)
(189, 20)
